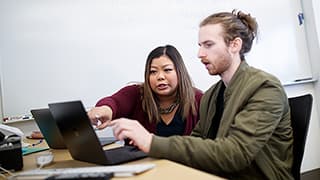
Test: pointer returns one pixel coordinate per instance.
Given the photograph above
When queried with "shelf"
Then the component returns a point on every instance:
(17, 121)
(312, 80)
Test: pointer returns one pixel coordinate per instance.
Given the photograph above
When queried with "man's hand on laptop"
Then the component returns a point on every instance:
(127, 128)
(100, 116)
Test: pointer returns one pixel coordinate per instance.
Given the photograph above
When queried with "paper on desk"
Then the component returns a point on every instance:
(24, 144)
(106, 132)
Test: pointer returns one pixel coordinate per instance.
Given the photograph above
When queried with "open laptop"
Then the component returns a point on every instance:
(48, 128)
(81, 140)
(51, 132)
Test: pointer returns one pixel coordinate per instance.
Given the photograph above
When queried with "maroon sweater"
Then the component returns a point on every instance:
(127, 103)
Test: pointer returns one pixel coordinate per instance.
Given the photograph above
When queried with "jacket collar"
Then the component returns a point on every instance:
(238, 76)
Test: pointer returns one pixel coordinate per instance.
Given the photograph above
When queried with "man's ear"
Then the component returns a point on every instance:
(235, 45)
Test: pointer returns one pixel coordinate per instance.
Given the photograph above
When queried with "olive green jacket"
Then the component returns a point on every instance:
(254, 140)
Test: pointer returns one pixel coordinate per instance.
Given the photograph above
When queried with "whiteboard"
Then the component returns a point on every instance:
(61, 50)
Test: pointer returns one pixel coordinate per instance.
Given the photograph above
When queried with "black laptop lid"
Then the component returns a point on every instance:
(48, 128)
(77, 131)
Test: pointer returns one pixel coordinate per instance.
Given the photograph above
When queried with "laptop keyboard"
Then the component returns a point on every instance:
(124, 154)
(119, 170)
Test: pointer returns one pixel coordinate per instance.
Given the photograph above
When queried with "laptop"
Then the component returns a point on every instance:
(51, 132)
(48, 128)
(81, 140)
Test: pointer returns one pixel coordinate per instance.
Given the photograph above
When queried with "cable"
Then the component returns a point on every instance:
(7, 171)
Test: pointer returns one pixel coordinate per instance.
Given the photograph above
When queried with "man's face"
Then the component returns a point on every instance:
(213, 51)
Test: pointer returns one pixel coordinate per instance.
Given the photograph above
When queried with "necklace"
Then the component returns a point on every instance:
(168, 109)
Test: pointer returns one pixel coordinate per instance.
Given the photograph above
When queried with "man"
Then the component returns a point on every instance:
(244, 130)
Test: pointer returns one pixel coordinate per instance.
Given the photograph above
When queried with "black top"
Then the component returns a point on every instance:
(175, 127)
(217, 117)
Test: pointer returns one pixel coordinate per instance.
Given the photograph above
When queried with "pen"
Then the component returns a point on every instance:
(305, 79)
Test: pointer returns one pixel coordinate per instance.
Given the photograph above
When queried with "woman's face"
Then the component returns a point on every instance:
(163, 77)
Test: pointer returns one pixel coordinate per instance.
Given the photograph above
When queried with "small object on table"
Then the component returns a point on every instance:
(35, 135)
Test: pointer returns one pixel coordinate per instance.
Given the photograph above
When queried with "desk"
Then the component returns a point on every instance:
(164, 169)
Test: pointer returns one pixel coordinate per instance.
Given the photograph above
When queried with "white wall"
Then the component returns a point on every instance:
(61, 50)
(316, 8)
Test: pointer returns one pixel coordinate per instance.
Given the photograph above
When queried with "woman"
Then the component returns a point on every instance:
(165, 104)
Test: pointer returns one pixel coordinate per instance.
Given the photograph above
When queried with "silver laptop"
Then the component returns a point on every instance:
(81, 140)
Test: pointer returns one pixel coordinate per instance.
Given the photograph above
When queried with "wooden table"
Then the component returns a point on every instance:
(164, 169)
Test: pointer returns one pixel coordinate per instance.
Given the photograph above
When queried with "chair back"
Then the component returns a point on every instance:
(300, 108)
